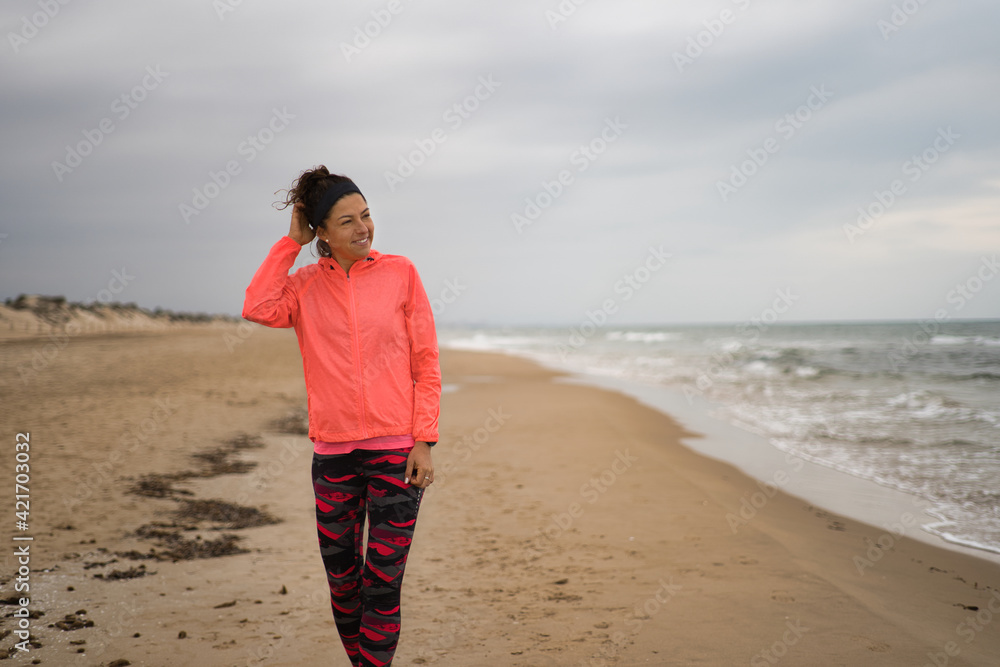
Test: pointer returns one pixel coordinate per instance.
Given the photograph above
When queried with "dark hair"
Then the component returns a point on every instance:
(308, 189)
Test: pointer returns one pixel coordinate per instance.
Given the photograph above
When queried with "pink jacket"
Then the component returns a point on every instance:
(369, 348)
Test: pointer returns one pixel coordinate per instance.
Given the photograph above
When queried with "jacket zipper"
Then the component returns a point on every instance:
(357, 357)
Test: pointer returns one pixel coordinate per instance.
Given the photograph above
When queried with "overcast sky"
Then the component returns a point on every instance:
(667, 161)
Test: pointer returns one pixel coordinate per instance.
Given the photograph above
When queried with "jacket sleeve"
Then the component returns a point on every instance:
(271, 299)
(424, 365)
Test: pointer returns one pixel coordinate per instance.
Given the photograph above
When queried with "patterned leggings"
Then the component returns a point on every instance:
(365, 592)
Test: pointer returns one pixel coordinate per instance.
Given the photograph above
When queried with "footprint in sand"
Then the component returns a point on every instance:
(536, 661)
(782, 596)
(872, 645)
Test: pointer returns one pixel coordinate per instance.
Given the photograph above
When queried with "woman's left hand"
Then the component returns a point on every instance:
(419, 467)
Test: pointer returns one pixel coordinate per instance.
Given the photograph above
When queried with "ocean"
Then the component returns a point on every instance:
(913, 406)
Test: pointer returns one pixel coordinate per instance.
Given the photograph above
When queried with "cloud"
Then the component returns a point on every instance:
(364, 90)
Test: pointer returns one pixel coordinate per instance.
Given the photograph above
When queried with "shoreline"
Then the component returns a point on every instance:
(696, 587)
(830, 488)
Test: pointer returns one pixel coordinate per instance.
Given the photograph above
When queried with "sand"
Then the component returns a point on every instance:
(568, 525)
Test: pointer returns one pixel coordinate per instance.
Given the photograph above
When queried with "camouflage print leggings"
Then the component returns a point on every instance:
(365, 592)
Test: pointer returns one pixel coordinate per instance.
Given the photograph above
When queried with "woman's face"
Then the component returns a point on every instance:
(349, 229)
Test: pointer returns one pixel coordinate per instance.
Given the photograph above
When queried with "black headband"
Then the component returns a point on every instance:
(330, 197)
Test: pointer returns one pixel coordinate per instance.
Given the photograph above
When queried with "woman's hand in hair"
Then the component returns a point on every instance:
(300, 230)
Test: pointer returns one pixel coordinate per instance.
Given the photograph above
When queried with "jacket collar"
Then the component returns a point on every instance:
(329, 263)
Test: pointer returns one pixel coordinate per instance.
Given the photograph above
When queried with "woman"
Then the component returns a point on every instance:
(370, 356)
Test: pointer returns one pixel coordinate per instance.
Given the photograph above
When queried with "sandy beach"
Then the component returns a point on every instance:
(172, 524)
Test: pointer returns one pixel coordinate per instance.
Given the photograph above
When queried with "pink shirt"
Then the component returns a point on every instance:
(368, 342)
(347, 446)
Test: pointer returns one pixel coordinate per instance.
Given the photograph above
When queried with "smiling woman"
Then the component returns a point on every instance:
(319, 197)
(370, 356)
(348, 235)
